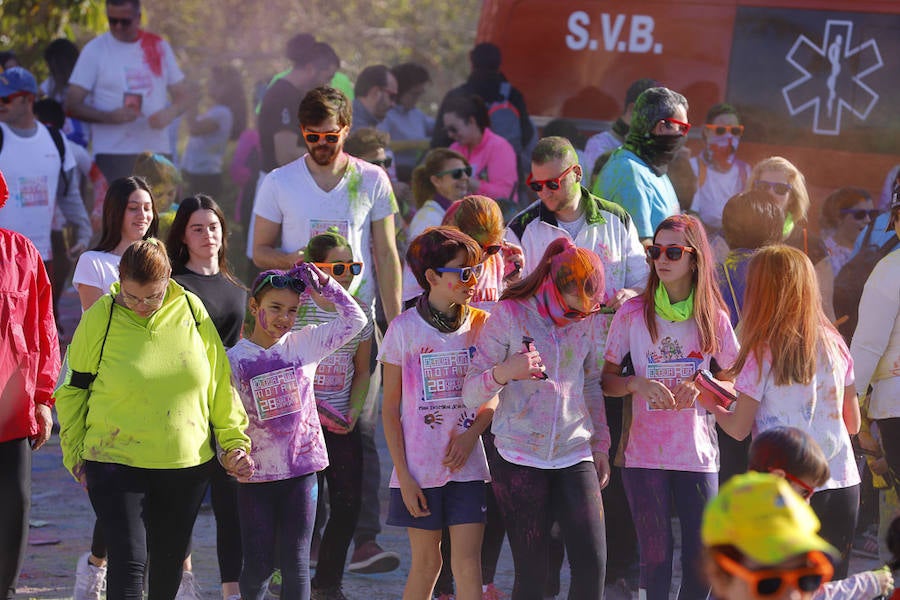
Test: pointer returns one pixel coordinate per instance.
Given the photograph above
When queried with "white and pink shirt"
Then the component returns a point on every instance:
(674, 440)
(432, 412)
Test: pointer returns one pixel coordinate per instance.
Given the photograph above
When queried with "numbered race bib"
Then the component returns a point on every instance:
(276, 393)
(443, 374)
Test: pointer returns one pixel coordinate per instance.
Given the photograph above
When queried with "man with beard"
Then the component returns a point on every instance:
(636, 174)
(720, 174)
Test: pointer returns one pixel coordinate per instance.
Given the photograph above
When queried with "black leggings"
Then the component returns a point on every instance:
(15, 504)
(344, 476)
(530, 500)
(837, 510)
(223, 493)
(145, 514)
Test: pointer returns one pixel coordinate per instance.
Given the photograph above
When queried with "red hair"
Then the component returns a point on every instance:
(573, 269)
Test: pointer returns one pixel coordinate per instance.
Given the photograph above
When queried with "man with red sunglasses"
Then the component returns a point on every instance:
(636, 174)
(720, 174)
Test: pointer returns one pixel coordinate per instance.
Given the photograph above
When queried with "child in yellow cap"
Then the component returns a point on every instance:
(761, 541)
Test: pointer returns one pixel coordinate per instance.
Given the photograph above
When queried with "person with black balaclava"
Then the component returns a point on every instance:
(636, 174)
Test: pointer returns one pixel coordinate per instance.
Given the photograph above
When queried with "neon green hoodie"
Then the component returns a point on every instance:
(162, 387)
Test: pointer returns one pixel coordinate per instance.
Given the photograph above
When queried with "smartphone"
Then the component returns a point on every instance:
(708, 385)
(528, 343)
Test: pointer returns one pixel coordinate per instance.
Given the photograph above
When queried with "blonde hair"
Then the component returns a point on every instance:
(798, 197)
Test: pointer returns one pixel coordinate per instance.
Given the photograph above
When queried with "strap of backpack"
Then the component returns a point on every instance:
(81, 379)
(505, 89)
(890, 244)
(60, 144)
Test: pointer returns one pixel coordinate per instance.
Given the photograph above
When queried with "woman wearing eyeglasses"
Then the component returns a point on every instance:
(794, 369)
(440, 180)
(493, 158)
(539, 351)
(676, 327)
(340, 385)
(147, 385)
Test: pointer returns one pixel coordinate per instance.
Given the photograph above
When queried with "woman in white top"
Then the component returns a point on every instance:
(129, 215)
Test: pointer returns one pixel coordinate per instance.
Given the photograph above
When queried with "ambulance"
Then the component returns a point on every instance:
(815, 81)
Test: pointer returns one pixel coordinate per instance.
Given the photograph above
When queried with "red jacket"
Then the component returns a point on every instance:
(29, 347)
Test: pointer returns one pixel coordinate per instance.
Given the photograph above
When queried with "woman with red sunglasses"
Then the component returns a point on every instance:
(676, 327)
(794, 369)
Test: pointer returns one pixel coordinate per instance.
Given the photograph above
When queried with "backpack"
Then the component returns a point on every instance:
(57, 137)
(505, 118)
(851, 279)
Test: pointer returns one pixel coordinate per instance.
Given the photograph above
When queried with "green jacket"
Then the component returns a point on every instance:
(163, 386)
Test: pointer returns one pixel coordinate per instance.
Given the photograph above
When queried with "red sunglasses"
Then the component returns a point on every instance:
(552, 184)
(676, 126)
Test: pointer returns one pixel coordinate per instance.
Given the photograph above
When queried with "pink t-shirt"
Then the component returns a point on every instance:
(675, 440)
(493, 165)
(816, 407)
(434, 365)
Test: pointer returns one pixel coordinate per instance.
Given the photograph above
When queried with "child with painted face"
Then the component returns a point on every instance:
(440, 468)
(273, 371)
(341, 385)
(761, 543)
(676, 327)
(540, 352)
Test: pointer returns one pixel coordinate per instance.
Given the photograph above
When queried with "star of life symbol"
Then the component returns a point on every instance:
(832, 77)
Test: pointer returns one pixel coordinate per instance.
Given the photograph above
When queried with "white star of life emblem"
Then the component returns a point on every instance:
(832, 77)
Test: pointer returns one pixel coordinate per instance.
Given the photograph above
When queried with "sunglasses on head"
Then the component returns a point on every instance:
(552, 184)
(384, 163)
(13, 96)
(860, 213)
(673, 252)
(768, 582)
(465, 273)
(114, 22)
(675, 126)
(338, 268)
(280, 282)
(779, 189)
(735, 130)
(331, 137)
(456, 173)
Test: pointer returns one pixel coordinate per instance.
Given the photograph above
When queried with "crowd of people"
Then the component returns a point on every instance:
(567, 344)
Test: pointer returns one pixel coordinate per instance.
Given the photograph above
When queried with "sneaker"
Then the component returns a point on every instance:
(188, 590)
(274, 591)
(371, 558)
(492, 593)
(332, 593)
(90, 580)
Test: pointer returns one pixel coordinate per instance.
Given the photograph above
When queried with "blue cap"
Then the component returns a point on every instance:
(15, 80)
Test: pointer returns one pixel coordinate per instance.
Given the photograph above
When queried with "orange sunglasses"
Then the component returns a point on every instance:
(768, 582)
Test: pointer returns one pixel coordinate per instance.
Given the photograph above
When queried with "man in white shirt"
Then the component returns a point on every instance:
(328, 188)
(121, 84)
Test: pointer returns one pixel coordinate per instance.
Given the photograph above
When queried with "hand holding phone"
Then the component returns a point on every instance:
(713, 390)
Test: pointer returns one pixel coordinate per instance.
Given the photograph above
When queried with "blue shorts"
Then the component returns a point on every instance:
(456, 503)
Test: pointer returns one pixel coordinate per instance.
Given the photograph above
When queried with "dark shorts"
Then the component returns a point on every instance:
(456, 503)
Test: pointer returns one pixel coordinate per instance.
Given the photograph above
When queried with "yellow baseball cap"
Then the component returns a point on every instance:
(760, 515)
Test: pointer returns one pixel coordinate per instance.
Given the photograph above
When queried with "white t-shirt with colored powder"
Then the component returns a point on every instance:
(97, 269)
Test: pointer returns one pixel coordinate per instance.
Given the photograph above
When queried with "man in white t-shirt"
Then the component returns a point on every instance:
(121, 84)
(327, 188)
(41, 174)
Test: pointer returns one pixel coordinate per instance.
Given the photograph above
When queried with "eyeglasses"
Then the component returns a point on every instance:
(331, 137)
(673, 252)
(456, 173)
(13, 96)
(465, 273)
(492, 249)
(735, 130)
(675, 126)
(337, 269)
(780, 189)
(154, 301)
(125, 23)
(768, 582)
(384, 163)
(860, 213)
(804, 490)
(280, 282)
(552, 184)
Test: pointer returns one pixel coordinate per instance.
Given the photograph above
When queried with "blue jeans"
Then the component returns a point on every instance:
(651, 493)
(281, 512)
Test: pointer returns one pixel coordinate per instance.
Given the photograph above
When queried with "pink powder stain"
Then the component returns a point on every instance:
(261, 319)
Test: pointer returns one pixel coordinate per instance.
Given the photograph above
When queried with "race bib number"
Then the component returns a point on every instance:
(670, 374)
(331, 375)
(443, 374)
(320, 226)
(138, 80)
(276, 393)
(34, 191)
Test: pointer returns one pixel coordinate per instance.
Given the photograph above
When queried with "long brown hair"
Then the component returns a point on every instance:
(477, 216)
(422, 188)
(178, 250)
(782, 314)
(707, 299)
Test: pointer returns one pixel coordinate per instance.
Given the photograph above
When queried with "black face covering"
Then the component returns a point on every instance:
(660, 150)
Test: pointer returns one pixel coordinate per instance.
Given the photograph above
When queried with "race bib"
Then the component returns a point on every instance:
(331, 375)
(138, 80)
(276, 393)
(33, 191)
(670, 374)
(443, 374)
(320, 226)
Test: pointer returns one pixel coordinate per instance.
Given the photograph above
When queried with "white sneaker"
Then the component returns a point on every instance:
(89, 579)
(188, 590)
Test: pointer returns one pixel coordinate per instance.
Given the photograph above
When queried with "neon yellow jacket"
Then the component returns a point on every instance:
(163, 387)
